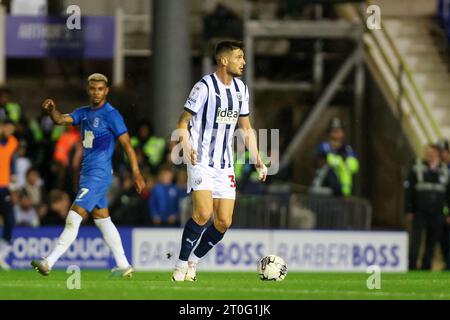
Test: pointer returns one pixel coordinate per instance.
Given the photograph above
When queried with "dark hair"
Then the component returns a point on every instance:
(166, 167)
(434, 146)
(32, 169)
(8, 121)
(226, 46)
(144, 123)
(443, 144)
(57, 195)
(23, 193)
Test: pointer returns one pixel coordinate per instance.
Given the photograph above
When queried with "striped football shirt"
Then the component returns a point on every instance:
(216, 109)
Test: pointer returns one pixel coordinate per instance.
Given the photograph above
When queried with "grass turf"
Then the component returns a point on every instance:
(224, 286)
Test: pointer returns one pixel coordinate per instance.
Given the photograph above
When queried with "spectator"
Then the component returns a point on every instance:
(59, 207)
(164, 200)
(67, 157)
(444, 239)
(150, 183)
(183, 202)
(22, 164)
(427, 190)
(34, 188)
(153, 147)
(337, 163)
(68, 140)
(8, 110)
(246, 175)
(8, 146)
(128, 208)
(24, 213)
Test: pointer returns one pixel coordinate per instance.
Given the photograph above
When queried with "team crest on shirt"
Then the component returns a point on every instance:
(96, 122)
(225, 116)
(198, 181)
(239, 96)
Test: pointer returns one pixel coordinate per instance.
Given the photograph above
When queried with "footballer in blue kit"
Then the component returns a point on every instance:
(101, 127)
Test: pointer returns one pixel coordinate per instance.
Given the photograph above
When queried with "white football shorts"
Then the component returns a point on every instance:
(220, 181)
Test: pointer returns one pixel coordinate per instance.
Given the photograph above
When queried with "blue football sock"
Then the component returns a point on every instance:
(209, 239)
(192, 232)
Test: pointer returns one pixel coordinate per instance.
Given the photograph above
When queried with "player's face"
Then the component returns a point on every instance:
(98, 91)
(236, 63)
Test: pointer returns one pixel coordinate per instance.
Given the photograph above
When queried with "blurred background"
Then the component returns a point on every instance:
(372, 84)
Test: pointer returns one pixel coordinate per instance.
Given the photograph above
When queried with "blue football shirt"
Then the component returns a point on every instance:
(100, 129)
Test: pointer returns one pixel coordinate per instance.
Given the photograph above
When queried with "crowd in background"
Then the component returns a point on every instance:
(46, 168)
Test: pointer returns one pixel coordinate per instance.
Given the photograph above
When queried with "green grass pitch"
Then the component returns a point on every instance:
(224, 286)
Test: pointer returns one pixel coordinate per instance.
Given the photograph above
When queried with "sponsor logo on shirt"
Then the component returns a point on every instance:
(225, 116)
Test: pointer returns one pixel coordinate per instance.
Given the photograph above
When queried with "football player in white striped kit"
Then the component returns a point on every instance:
(216, 104)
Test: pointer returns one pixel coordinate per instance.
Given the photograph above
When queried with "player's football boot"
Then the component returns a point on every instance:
(5, 248)
(4, 265)
(120, 272)
(191, 272)
(179, 273)
(41, 266)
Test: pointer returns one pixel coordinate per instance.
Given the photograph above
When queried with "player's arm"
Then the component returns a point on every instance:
(139, 181)
(182, 126)
(49, 106)
(252, 146)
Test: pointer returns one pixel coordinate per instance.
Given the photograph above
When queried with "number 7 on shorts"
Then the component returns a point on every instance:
(83, 192)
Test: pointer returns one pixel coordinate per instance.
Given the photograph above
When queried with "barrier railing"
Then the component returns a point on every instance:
(297, 211)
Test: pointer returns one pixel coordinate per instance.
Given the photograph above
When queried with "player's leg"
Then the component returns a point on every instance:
(433, 232)
(444, 243)
(202, 211)
(8, 217)
(67, 237)
(223, 214)
(416, 237)
(224, 193)
(112, 238)
(447, 247)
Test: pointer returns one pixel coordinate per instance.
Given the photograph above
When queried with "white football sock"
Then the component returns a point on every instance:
(112, 239)
(194, 259)
(181, 264)
(66, 238)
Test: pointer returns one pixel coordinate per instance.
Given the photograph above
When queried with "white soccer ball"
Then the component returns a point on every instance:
(272, 268)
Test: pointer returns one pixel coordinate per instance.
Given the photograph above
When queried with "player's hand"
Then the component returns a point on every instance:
(193, 157)
(190, 156)
(48, 105)
(139, 183)
(262, 170)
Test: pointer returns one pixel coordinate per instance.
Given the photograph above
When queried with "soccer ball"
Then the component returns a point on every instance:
(272, 268)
